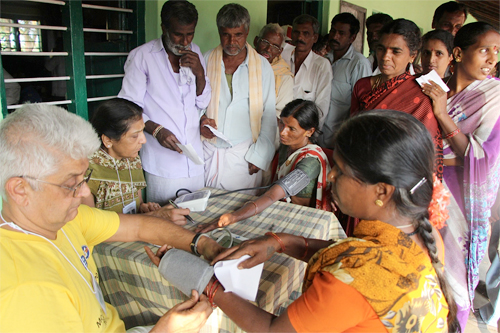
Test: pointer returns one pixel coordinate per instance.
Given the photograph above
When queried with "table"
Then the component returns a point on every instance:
(134, 286)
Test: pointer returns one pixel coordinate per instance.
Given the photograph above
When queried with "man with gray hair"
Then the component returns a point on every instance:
(242, 105)
(47, 236)
(269, 44)
(313, 73)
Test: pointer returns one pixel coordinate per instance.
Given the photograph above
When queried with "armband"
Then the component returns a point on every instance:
(294, 182)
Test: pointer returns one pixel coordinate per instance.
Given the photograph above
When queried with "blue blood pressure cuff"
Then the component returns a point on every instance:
(294, 182)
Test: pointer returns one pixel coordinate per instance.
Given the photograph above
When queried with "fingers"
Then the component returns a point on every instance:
(206, 228)
(152, 256)
(190, 302)
(225, 255)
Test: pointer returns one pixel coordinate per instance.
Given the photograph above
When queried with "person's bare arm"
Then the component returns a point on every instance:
(141, 227)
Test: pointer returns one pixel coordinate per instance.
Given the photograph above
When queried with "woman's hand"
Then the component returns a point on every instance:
(223, 221)
(186, 317)
(156, 258)
(259, 249)
(148, 207)
(439, 98)
(175, 215)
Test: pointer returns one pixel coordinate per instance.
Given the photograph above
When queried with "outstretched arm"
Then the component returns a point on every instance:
(250, 208)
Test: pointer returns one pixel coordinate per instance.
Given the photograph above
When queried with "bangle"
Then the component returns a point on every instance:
(307, 248)
(212, 296)
(273, 235)
(157, 130)
(256, 208)
(452, 134)
(194, 243)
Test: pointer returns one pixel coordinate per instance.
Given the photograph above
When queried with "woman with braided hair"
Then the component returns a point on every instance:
(388, 276)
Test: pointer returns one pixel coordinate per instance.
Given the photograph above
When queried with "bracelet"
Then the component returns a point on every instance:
(256, 208)
(273, 235)
(452, 134)
(194, 243)
(307, 247)
(157, 130)
(211, 299)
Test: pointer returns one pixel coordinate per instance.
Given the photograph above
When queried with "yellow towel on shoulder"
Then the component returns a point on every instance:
(256, 106)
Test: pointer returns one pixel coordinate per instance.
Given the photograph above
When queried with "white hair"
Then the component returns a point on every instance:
(37, 137)
(274, 28)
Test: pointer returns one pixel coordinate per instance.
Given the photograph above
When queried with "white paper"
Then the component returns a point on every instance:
(242, 282)
(432, 76)
(190, 153)
(219, 134)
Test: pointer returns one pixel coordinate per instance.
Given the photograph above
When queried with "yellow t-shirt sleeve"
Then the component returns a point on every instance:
(97, 225)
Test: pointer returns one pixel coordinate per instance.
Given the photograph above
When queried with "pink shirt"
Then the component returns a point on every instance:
(151, 83)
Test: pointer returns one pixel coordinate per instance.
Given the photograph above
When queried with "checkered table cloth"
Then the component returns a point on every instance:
(132, 284)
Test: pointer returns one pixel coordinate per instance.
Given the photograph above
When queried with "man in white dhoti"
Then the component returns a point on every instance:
(242, 105)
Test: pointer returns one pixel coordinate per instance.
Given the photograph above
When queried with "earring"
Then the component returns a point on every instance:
(379, 202)
(458, 59)
(108, 146)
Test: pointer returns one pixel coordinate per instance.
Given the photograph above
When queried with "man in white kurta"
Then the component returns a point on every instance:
(313, 73)
(242, 106)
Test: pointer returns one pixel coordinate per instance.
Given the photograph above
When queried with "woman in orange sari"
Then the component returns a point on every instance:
(388, 277)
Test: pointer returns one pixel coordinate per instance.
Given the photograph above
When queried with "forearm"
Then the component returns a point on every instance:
(200, 84)
(252, 208)
(145, 228)
(150, 126)
(247, 316)
(300, 247)
(460, 141)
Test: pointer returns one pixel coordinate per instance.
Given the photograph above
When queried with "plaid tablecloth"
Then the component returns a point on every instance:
(133, 285)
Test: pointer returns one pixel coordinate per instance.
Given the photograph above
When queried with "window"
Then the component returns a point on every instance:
(20, 38)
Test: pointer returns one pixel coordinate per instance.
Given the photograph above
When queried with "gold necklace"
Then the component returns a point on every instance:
(377, 82)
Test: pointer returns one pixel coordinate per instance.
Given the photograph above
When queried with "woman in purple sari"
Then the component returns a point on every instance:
(469, 117)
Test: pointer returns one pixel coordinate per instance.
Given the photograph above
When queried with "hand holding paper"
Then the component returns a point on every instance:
(190, 153)
(432, 76)
(219, 134)
(242, 282)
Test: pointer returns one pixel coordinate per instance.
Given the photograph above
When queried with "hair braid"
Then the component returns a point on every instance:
(425, 232)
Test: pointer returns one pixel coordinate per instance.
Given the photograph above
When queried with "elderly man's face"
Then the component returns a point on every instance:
(451, 22)
(269, 46)
(303, 37)
(52, 206)
(178, 36)
(233, 40)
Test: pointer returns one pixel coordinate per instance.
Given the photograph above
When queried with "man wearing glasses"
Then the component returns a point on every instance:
(47, 236)
(269, 44)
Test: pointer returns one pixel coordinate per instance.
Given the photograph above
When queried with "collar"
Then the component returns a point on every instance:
(348, 55)
(157, 46)
(307, 61)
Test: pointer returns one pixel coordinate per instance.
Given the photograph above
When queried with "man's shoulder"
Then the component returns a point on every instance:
(358, 57)
(148, 47)
(319, 61)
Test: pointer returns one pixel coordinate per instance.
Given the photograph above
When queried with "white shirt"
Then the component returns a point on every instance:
(234, 113)
(313, 81)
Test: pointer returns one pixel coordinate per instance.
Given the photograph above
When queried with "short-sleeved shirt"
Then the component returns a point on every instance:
(330, 305)
(41, 291)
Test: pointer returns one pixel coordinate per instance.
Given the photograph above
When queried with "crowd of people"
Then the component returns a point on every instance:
(382, 151)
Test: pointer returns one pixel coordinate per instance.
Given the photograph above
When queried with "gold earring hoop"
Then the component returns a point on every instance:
(379, 202)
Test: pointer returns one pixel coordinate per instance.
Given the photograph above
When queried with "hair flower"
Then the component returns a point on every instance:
(438, 211)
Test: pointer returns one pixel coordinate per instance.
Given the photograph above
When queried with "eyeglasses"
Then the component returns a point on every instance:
(76, 189)
(268, 43)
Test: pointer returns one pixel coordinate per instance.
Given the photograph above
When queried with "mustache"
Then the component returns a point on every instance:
(300, 42)
(333, 41)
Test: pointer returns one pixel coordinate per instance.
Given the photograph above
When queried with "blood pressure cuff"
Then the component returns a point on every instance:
(294, 182)
(185, 271)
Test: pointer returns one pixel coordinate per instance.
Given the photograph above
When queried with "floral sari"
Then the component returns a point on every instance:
(310, 150)
(474, 186)
(393, 273)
